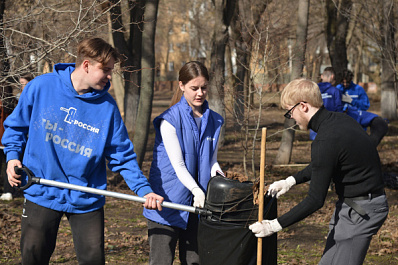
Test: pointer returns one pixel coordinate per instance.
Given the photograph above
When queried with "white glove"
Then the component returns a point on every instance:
(199, 197)
(265, 228)
(346, 98)
(280, 187)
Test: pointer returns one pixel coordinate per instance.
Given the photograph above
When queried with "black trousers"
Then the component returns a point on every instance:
(40, 228)
(6, 185)
(163, 241)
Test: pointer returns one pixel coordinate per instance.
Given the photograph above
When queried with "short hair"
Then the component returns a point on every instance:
(301, 90)
(27, 76)
(96, 49)
(347, 75)
(189, 71)
(329, 71)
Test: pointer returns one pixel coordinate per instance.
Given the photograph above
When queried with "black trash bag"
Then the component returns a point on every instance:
(224, 238)
(390, 180)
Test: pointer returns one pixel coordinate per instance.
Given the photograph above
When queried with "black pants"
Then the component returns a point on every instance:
(6, 185)
(40, 228)
(163, 241)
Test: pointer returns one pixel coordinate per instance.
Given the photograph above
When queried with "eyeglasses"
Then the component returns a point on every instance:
(288, 114)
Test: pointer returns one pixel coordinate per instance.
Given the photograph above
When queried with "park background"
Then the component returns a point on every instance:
(252, 49)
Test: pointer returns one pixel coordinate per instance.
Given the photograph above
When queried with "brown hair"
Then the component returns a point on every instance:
(188, 72)
(96, 49)
(27, 76)
(301, 90)
(347, 75)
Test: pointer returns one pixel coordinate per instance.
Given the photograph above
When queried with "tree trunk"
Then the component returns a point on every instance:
(4, 63)
(244, 27)
(336, 33)
(148, 79)
(224, 10)
(286, 147)
(117, 78)
(131, 49)
(388, 63)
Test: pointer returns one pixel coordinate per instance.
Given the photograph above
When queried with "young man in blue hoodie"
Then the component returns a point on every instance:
(332, 100)
(331, 96)
(353, 95)
(69, 124)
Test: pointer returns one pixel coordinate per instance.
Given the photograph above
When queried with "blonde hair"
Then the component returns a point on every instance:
(301, 90)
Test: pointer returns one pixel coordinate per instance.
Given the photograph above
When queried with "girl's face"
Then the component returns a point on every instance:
(195, 92)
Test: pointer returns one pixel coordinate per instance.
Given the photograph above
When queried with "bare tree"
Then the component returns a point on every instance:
(148, 79)
(285, 149)
(129, 45)
(338, 15)
(224, 11)
(388, 63)
(244, 27)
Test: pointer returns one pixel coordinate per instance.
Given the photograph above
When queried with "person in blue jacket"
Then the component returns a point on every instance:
(331, 96)
(68, 124)
(332, 100)
(184, 159)
(353, 94)
(377, 125)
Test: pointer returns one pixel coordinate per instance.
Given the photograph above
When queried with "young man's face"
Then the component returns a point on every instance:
(195, 91)
(99, 74)
(296, 113)
(345, 83)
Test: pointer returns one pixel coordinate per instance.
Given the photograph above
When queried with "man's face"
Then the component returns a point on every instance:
(297, 114)
(100, 74)
(195, 91)
(345, 83)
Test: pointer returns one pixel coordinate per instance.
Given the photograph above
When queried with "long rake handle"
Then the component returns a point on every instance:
(35, 180)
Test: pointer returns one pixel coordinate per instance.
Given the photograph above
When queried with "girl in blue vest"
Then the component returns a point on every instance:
(184, 160)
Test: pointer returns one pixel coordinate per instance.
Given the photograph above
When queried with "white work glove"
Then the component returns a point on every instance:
(198, 197)
(280, 187)
(346, 98)
(265, 228)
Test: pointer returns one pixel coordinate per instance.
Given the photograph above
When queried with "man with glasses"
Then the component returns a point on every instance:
(344, 153)
(352, 94)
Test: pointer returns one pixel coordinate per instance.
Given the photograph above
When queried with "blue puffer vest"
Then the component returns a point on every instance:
(197, 145)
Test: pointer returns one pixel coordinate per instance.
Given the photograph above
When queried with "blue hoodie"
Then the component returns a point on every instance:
(197, 146)
(67, 138)
(331, 97)
(360, 99)
(362, 117)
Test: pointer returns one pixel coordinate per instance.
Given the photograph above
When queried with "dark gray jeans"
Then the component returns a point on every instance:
(39, 231)
(163, 241)
(350, 234)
